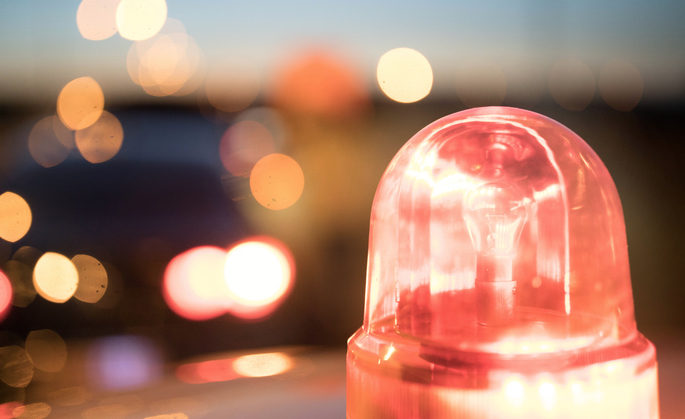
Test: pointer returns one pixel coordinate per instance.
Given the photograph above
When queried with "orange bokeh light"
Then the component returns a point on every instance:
(5, 295)
(262, 365)
(621, 85)
(404, 75)
(277, 181)
(96, 19)
(15, 217)
(169, 63)
(232, 86)
(55, 277)
(45, 145)
(259, 273)
(243, 144)
(193, 283)
(102, 140)
(320, 84)
(80, 103)
(572, 84)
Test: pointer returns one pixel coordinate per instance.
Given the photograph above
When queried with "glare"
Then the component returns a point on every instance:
(16, 368)
(258, 275)
(15, 217)
(243, 145)
(548, 395)
(124, 362)
(140, 19)
(80, 103)
(92, 278)
(55, 277)
(102, 140)
(47, 350)
(277, 181)
(45, 146)
(514, 392)
(481, 84)
(193, 283)
(232, 85)
(5, 295)
(572, 84)
(404, 75)
(321, 84)
(620, 84)
(262, 365)
(96, 19)
(169, 416)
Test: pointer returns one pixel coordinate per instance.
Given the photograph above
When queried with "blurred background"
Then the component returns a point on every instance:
(180, 179)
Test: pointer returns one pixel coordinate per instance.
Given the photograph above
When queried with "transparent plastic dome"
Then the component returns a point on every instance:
(497, 246)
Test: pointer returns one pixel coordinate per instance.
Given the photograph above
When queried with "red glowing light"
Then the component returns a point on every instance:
(259, 273)
(322, 85)
(193, 283)
(498, 281)
(5, 295)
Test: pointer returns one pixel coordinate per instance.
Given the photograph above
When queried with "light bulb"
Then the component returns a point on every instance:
(495, 214)
(498, 283)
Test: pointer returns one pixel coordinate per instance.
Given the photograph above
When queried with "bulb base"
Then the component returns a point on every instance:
(390, 377)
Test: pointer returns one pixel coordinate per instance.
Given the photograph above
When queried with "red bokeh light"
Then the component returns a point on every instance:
(320, 84)
(193, 283)
(259, 274)
(5, 295)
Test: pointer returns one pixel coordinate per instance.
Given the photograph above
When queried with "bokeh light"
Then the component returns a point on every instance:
(620, 84)
(5, 295)
(321, 84)
(92, 279)
(262, 365)
(212, 371)
(16, 368)
(102, 140)
(277, 181)
(80, 103)
(481, 83)
(193, 283)
(232, 85)
(55, 277)
(123, 362)
(63, 134)
(47, 350)
(140, 19)
(169, 63)
(38, 410)
(96, 19)
(404, 75)
(45, 145)
(15, 217)
(258, 273)
(7, 409)
(244, 144)
(572, 84)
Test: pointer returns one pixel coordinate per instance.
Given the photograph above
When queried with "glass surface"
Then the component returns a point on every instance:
(499, 230)
(498, 283)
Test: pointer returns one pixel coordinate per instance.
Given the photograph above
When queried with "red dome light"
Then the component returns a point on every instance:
(498, 281)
